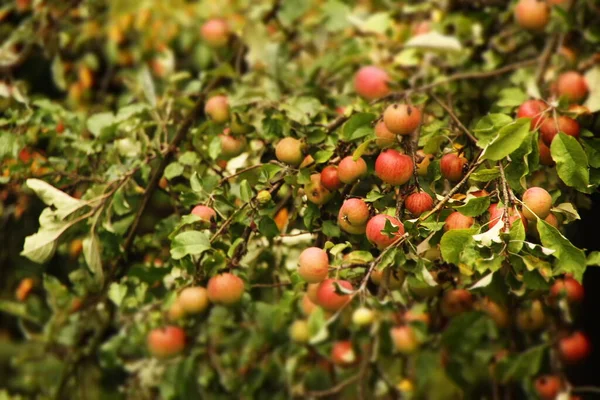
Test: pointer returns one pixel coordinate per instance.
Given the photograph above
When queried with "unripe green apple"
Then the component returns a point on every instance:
(363, 316)
(289, 151)
(166, 342)
(313, 265)
(350, 171)
(264, 197)
(299, 331)
(402, 119)
(225, 288)
(394, 168)
(537, 202)
(217, 108)
(377, 224)
(194, 300)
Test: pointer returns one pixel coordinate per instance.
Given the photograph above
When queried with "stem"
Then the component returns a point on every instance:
(454, 117)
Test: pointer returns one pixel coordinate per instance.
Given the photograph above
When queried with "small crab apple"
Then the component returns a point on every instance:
(533, 109)
(313, 265)
(166, 342)
(456, 301)
(350, 171)
(311, 291)
(353, 216)
(327, 296)
(513, 215)
(404, 338)
(377, 224)
(193, 300)
(411, 316)
(552, 220)
(205, 213)
(176, 312)
(545, 154)
(458, 221)
(574, 348)
(371, 82)
(385, 137)
(550, 128)
(289, 151)
(342, 354)
(495, 311)
(419, 202)
(215, 32)
(532, 14)
(307, 305)
(299, 331)
(330, 178)
(537, 202)
(423, 161)
(402, 119)
(567, 288)
(452, 165)
(396, 278)
(316, 192)
(363, 316)
(532, 318)
(548, 386)
(231, 146)
(393, 167)
(217, 108)
(225, 288)
(572, 85)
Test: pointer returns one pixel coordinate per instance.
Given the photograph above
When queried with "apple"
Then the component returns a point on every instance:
(567, 288)
(495, 311)
(166, 341)
(548, 386)
(217, 108)
(353, 216)
(343, 355)
(456, 301)
(421, 28)
(402, 119)
(363, 316)
(330, 178)
(371, 82)
(545, 154)
(416, 316)
(350, 171)
(572, 85)
(193, 300)
(397, 276)
(550, 128)
(394, 168)
(327, 296)
(513, 215)
(375, 227)
(533, 109)
(313, 265)
(532, 14)
(176, 312)
(307, 305)
(311, 291)
(423, 161)
(205, 213)
(215, 32)
(452, 166)
(537, 202)
(419, 202)
(404, 339)
(385, 138)
(225, 288)
(231, 146)
(289, 151)
(316, 192)
(552, 220)
(574, 348)
(458, 221)
(24, 289)
(532, 318)
(299, 331)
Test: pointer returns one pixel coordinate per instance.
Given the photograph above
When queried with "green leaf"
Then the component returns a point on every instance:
(570, 258)
(360, 150)
(517, 236)
(97, 123)
(322, 156)
(508, 140)
(189, 243)
(524, 160)
(331, 229)
(173, 170)
(268, 227)
(317, 326)
(521, 366)
(40, 246)
(453, 242)
(486, 174)
(592, 78)
(593, 259)
(434, 41)
(487, 127)
(511, 97)
(91, 254)
(51, 196)
(474, 207)
(359, 125)
(145, 80)
(571, 162)
(245, 191)
(117, 293)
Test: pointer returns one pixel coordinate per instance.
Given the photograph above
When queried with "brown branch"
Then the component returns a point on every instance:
(544, 59)
(454, 117)
(506, 199)
(270, 285)
(238, 173)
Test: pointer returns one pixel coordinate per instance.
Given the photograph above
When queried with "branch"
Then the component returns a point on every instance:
(238, 173)
(545, 59)
(506, 200)
(454, 117)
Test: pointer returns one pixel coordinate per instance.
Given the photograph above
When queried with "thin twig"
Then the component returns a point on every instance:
(506, 198)
(454, 117)
(544, 59)
(238, 173)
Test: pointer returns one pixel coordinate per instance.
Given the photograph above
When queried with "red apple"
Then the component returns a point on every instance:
(545, 154)
(215, 32)
(394, 168)
(513, 215)
(404, 339)
(225, 289)
(205, 213)
(313, 265)
(316, 192)
(193, 300)
(552, 220)
(495, 311)
(537, 202)
(350, 171)
(307, 305)
(166, 342)
(327, 296)
(550, 128)
(343, 355)
(176, 312)
(353, 216)
(377, 224)
(289, 151)
(419, 202)
(330, 178)
(311, 291)
(532, 14)
(231, 146)
(452, 165)
(548, 386)
(458, 221)
(568, 288)
(411, 316)
(402, 119)
(572, 85)
(217, 108)
(456, 301)
(385, 138)
(533, 109)
(371, 82)
(574, 348)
